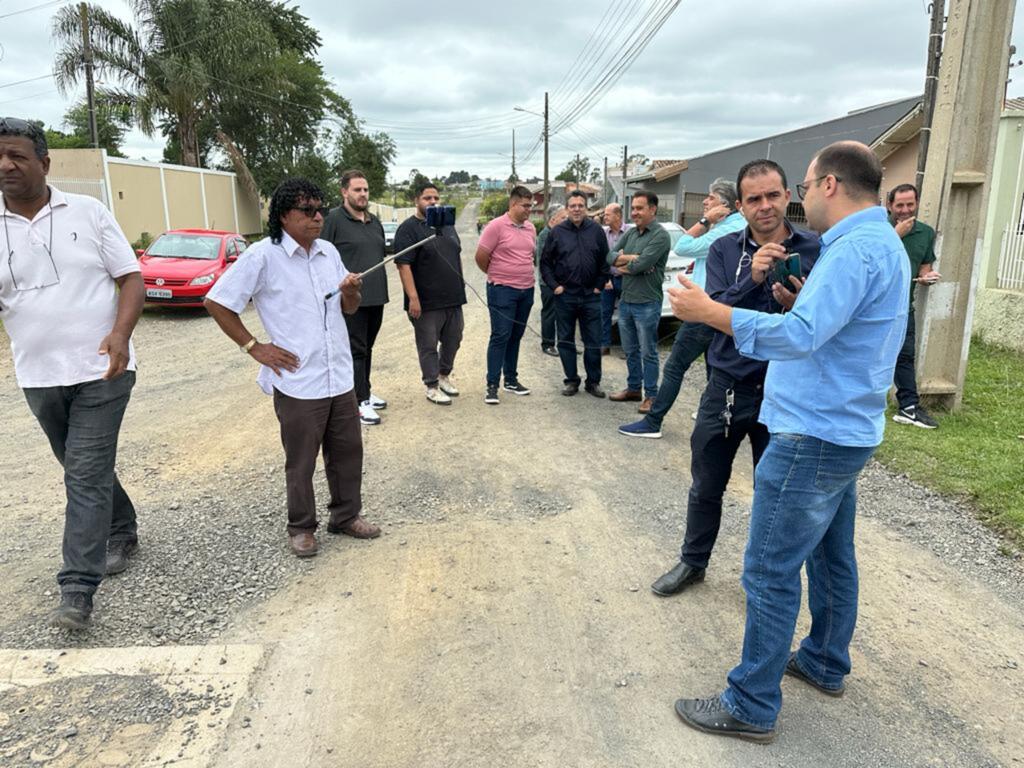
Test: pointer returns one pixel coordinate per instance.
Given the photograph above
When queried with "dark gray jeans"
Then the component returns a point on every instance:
(82, 423)
(436, 328)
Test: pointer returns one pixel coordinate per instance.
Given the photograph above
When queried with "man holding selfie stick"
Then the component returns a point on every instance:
(70, 295)
(740, 271)
(292, 278)
(919, 241)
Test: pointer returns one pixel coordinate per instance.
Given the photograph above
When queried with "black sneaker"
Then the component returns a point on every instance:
(74, 611)
(711, 716)
(915, 415)
(491, 397)
(118, 552)
(515, 388)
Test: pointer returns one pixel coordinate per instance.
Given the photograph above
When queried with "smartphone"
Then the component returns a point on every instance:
(784, 268)
(441, 216)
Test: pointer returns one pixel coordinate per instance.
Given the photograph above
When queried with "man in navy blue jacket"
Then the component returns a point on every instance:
(574, 266)
(740, 267)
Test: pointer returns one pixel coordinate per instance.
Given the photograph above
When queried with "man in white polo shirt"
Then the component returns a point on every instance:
(293, 279)
(70, 329)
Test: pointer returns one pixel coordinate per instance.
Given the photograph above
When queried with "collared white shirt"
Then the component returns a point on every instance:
(58, 298)
(287, 286)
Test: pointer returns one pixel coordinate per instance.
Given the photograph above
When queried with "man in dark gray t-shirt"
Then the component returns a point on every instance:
(359, 238)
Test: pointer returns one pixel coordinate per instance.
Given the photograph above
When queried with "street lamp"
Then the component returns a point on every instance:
(547, 185)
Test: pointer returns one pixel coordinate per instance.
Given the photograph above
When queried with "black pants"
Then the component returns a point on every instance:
(363, 325)
(548, 317)
(712, 453)
(586, 310)
(328, 425)
(905, 376)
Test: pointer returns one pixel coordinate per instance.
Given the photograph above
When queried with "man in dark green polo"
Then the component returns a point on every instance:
(359, 238)
(640, 256)
(919, 242)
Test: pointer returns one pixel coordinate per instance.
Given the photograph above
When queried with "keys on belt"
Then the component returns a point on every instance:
(726, 415)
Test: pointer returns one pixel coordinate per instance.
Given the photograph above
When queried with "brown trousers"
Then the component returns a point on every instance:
(330, 423)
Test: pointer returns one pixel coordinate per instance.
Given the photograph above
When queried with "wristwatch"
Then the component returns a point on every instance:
(703, 221)
(247, 347)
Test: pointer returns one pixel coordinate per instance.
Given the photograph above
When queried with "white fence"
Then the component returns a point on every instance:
(1011, 258)
(91, 187)
(389, 213)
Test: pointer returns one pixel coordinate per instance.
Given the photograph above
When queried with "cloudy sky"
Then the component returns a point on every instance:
(444, 83)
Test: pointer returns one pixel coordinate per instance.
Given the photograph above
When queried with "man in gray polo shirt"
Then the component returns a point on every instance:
(359, 238)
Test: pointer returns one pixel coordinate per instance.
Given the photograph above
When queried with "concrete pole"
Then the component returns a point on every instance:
(954, 195)
(547, 182)
(604, 187)
(90, 89)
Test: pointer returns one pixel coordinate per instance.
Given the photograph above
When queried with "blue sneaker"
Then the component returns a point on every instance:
(639, 429)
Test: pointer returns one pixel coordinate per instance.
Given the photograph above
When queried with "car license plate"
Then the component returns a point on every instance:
(158, 293)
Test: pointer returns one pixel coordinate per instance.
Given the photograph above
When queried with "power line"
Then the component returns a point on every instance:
(35, 8)
(29, 80)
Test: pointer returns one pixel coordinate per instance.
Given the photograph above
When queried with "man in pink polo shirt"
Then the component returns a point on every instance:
(505, 253)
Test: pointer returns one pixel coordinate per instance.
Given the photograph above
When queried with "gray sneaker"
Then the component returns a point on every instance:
(916, 416)
(118, 552)
(74, 611)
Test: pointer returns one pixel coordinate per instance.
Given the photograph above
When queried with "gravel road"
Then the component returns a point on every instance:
(504, 618)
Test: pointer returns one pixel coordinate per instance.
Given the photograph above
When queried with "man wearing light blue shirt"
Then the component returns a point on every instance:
(720, 218)
(832, 361)
(292, 279)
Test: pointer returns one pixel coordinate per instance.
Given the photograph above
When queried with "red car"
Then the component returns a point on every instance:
(181, 265)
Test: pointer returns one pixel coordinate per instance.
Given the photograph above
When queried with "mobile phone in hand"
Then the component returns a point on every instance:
(784, 268)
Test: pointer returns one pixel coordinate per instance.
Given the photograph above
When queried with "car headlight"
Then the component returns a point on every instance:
(202, 280)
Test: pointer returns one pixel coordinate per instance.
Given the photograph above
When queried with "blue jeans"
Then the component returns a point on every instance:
(585, 308)
(608, 298)
(692, 341)
(638, 329)
(82, 423)
(510, 309)
(805, 502)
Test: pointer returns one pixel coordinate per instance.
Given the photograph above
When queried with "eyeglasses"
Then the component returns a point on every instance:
(313, 210)
(33, 268)
(801, 188)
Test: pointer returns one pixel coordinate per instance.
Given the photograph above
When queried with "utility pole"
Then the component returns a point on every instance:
(514, 177)
(931, 83)
(547, 183)
(625, 161)
(604, 187)
(90, 95)
(577, 169)
(955, 192)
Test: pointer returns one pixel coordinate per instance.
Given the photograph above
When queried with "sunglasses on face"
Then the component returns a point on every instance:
(312, 210)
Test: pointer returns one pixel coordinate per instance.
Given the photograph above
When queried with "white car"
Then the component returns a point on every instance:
(674, 266)
(390, 227)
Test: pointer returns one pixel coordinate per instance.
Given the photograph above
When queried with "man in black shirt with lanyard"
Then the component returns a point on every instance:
(359, 238)
(739, 274)
(434, 294)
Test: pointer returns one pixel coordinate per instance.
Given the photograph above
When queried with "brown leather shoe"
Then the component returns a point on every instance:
(626, 396)
(645, 406)
(303, 544)
(357, 528)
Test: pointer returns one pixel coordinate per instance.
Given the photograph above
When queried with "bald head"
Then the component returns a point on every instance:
(855, 166)
(613, 215)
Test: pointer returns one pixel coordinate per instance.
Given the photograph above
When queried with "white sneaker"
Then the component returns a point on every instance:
(435, 395)
(377, 403)
(447, 385)
(367, 414)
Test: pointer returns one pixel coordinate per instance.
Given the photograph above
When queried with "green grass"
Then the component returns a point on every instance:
(977, 452)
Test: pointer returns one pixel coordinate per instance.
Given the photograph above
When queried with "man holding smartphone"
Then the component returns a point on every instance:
(919, 241)
(739, 274)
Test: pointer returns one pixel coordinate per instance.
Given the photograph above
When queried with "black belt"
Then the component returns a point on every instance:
(751, 384)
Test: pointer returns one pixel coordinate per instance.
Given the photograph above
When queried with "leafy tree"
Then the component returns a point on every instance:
(112, 123)
(494, 205)
(370, 153)
(577, 169)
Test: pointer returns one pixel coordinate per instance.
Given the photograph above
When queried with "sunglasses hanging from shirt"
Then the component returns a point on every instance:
(31, 265)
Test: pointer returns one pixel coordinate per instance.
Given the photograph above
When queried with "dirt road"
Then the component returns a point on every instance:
(504, 619)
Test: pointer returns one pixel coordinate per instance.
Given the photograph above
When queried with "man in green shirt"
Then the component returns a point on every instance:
(640, 256)
(919, 242)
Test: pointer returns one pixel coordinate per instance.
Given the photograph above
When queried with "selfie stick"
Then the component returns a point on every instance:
(438, 217)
